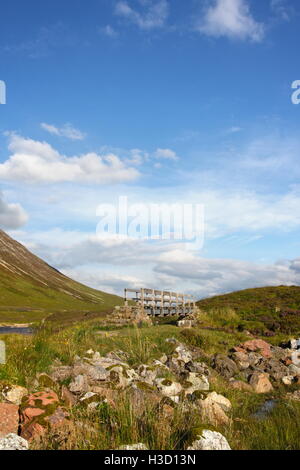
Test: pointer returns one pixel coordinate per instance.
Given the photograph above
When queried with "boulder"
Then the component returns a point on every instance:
(225, 366)
(212, 412)
(198, 367)
(294, 344)
(122, 376)
(193, 382)
(169, 389)
(288, 380)
(61, 373)
(148, 374)
(294, 370)
(223, 402)
(210, 440)
(14, 393)
(260, 383)
(79, 385)
(94, 373)
(182, 354)
(256, 345)
(295, 358)
(35, 411)
(241, 359)
(9, 419)
(276, 369)
(13, 442)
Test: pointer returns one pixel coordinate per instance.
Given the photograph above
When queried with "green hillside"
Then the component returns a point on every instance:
(262, 310)
(30, 289)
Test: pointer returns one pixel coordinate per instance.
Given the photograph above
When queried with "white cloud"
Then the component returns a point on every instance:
(231, 18)
(112, 265)
(234, 130)
(282, 9)
(154, 13)
(67, 130)
(109, 31)
(167, 154)
(12, 216)
(214, 276)
(37, 162)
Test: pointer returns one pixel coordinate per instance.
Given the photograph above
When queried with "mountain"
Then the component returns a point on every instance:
(262, 310)
(30, 289)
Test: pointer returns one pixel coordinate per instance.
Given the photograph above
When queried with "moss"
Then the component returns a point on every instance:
(144, 386)
(166, 383)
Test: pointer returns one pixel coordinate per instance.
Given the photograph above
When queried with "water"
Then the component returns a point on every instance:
(265, 410)
(6, 330)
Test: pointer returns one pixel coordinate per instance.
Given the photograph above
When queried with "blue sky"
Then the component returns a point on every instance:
(161, 101)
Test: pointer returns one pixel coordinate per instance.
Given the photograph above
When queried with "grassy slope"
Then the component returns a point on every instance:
(261, 299)
(261, 309)
(30, 289)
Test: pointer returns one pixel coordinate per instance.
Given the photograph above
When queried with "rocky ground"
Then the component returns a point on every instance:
(178, 381)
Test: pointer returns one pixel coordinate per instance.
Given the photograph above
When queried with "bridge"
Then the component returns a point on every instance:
(161, 303)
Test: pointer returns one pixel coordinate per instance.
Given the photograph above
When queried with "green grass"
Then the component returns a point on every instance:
(25, 302)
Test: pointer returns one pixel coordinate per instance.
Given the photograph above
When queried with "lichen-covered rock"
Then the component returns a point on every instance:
(13, 393)
(35, 410)
(193, 382)
(148, 374)
(182, 354)
(13, 442)
(122, 376)
(169, 389)
(210, 440)
(45, 380)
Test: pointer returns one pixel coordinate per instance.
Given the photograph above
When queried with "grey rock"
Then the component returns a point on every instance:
(225, 366)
